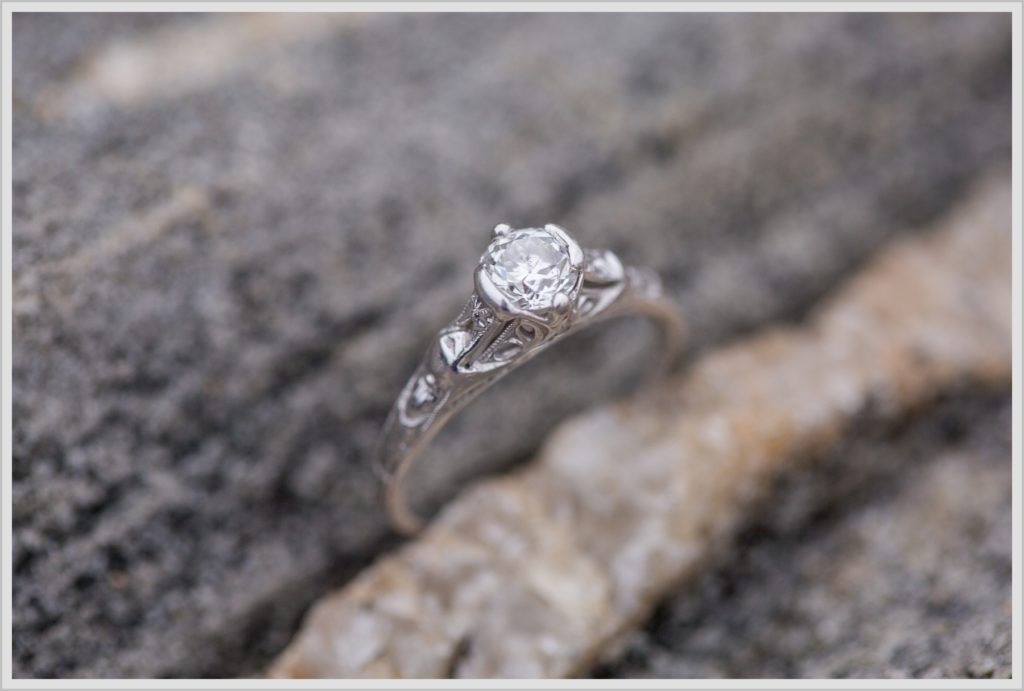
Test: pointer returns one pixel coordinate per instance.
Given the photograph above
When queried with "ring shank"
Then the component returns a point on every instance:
(435, 393)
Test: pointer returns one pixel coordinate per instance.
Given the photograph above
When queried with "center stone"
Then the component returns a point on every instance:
(530, 267)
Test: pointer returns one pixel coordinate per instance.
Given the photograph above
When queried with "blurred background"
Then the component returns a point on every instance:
(228, 229)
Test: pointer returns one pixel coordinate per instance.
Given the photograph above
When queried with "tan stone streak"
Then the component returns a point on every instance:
(175, 60)
(185, 203)
(538, 572)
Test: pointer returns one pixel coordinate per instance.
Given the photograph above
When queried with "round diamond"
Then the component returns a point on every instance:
(530, 267)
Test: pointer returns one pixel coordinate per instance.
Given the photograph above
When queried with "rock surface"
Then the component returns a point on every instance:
(892, 558)
(233, 235)
(538, 573)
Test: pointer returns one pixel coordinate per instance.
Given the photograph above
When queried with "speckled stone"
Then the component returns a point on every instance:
(538, 573)
(888, 557)
(233, 235)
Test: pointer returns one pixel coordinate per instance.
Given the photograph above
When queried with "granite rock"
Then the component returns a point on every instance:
(540, 572)
(233, 235)
(891, 557)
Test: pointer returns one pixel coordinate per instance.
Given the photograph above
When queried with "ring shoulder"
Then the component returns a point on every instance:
(610, 287)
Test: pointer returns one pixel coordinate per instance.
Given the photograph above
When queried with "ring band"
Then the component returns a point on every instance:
(533, 287)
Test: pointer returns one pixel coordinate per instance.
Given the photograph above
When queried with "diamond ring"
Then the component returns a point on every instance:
(533, 287)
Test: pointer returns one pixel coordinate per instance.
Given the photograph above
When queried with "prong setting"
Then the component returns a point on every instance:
(493, 297)
(531, 273)
(575, 251)
(534, 286)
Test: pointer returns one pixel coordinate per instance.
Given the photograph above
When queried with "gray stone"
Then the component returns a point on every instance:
(223, 224)
(537, 573)
(892, 559)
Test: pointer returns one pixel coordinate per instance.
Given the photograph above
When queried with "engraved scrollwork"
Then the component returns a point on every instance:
(602, 267)
(477, 341)
(604, 282)
(532, 288)
(422, 397)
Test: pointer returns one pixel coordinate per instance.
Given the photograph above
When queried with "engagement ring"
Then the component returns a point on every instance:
(533, 287)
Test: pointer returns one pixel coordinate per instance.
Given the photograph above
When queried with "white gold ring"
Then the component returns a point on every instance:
(533, 287)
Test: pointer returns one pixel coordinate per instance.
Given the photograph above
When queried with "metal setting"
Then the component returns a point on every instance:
(528, 295)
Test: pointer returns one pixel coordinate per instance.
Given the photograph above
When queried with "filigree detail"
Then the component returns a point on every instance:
(455, 344)
(465, 332)
(495, 332)
(498, 344)
(602, 266)
(586, 305)
(421, 399)
(425, 390)
(481, 316)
